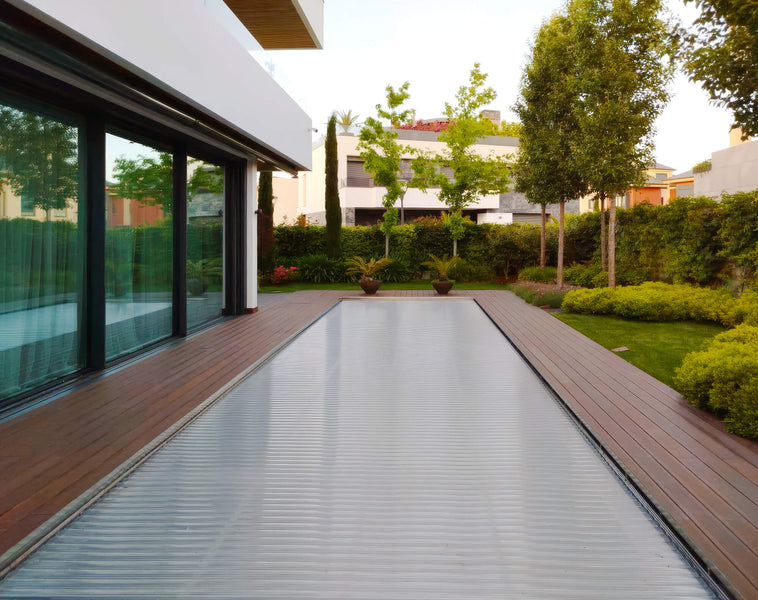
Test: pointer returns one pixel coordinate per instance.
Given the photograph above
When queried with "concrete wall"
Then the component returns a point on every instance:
(285, 198)
(733, 170)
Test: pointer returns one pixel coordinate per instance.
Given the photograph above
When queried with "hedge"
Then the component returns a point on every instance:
(723, 378)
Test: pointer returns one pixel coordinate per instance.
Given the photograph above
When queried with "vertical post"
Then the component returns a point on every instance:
(234, 238)
(95, 198)
(251, 237)
(179, 219)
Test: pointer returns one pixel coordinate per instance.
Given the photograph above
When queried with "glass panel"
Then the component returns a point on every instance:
(138, 246)
(205, 241)
(41, 262)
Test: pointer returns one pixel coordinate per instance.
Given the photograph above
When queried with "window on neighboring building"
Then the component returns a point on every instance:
(356, 175)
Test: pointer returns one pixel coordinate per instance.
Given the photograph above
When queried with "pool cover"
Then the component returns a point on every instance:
(395, 449)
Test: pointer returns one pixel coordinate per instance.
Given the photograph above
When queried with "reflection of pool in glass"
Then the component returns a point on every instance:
(29, 326)
(393, 450)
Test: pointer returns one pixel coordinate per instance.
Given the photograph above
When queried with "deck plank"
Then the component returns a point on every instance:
(704, 479)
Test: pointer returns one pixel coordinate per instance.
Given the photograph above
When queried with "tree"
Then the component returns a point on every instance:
(722, 54)
(470, 175)
(546, 168)
(331, 192)
(39, 158)
(622, 62)
(147, 179)
(382, 155)
(346, 119)
(265, 221)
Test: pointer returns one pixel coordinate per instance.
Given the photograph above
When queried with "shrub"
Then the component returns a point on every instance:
(546, 275)
(581, 274)
(723, 378)
(282, 274)
(398, 271)
(319, 268)
(465, 271)
(597, 301)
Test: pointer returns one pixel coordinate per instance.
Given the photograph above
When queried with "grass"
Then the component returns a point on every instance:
(420, 284)
(656, 348)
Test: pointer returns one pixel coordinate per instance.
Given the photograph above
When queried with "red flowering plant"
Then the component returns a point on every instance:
(437, 125)
(281, 274)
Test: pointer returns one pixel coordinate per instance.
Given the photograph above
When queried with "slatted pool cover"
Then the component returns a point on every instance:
(396, 449)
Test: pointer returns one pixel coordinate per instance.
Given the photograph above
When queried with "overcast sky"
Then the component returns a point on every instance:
(434, 43)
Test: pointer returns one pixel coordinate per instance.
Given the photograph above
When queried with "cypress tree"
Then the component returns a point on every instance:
(331, 193)
(265, 221)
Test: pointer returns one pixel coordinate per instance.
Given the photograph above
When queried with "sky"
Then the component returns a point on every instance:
(433, 44)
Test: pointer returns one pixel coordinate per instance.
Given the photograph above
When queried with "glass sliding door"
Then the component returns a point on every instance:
(205, 242)
(41, 240)
(138, 246)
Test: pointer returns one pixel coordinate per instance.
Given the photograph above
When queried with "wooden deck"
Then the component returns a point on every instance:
(702, 478)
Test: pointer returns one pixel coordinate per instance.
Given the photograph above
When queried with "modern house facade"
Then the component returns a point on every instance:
(361, 199)
(654, 191)
(131, 135)
(733, 169)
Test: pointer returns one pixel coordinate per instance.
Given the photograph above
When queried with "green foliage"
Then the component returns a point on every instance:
(507, 129)
(319, 268)
(346, 119)
(331, 192)
(703, 167)
(398, 270)
(205, 178)
(583, 275)
(546, 275)
(463, 270)
(441, 266)
(721, 53)
(147, 179)
(39, 157)
(472, 175)
(367, 269)
(265, 221)
(723, 378)
(553, 299)
(738, 234)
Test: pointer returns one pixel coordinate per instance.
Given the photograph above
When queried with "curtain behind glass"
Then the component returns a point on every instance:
(41, 275)
(205, 242)
(138, 246)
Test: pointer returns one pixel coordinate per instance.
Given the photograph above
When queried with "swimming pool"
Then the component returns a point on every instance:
(396, 449)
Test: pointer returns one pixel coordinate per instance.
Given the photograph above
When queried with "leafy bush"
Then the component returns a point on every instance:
(581, 274)
(465, 271)
(597, 301)
(319, 268)
(546, 275)
(723, 378)
(398, 271)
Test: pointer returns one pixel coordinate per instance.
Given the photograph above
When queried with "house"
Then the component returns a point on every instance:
(361, 199)
(734, 169)
(680, 184)
(163, 98)
(654, 191)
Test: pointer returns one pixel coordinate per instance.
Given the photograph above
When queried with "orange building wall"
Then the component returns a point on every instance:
(642, 195)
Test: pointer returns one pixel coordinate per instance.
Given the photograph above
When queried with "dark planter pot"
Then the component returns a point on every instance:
(442, 287)
(369, 286)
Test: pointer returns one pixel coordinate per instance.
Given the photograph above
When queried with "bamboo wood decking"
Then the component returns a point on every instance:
(702, 478)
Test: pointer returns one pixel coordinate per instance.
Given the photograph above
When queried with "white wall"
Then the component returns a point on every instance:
(733, 170)
(499, 218)
(179, 46)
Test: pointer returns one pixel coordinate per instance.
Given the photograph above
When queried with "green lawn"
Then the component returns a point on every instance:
(656, 348)
(420, 284)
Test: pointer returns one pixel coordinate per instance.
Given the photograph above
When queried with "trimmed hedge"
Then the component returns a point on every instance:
(665, 302)
(546, 275)
(723, 378)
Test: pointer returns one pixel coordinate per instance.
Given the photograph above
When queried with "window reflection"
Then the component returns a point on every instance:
(138, 246)
(205, 241)
(41, 243)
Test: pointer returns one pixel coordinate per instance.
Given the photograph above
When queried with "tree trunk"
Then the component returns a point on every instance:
(386, 245)
(561, 223)
(542, 237)
(612, 242)
(455, 247)
(603, 258)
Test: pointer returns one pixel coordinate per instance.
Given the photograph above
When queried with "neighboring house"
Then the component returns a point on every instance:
(168, 79)
(361, 199)
(734, 169)
(654, 191)
(680, 184)
(285, 198)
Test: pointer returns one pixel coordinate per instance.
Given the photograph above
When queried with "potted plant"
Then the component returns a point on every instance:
(367, 270)
(442, 267)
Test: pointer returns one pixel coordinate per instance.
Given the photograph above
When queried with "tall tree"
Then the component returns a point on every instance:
(462, 174)
(265, 221)
(722, 54)
(346, 119)
(382, 155)
(546, 168)
(622, 52)
(331, 192)
(147, 179)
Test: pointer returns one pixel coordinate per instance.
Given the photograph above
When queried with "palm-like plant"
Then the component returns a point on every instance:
(346, 119)
(366, 269)
(442, 265)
